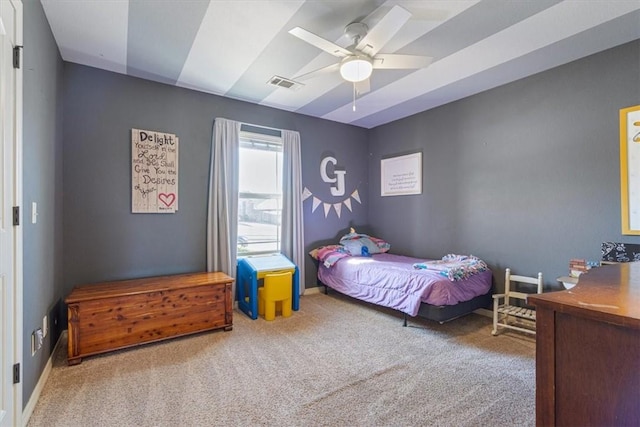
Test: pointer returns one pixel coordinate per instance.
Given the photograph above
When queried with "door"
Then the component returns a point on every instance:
(10, 195)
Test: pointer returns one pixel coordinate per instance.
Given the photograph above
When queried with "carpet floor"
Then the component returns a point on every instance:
(336, 362)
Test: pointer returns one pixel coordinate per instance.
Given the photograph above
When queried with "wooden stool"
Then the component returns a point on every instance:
(276, 291)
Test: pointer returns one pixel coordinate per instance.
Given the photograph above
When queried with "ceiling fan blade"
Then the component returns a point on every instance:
(389, 60)
(319, 42)
(363, 86)
(315, 73)
(384, 30)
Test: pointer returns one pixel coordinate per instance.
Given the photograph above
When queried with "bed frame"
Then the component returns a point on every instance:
(445, 313)
(440, 313)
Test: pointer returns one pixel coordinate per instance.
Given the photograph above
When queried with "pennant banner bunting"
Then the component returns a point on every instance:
(356, 196)
(338, 208)
(306, 193)
(327, 208)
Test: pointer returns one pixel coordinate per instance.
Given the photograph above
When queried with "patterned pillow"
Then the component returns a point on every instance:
(330, 254)
(381, 244)
(355, 244)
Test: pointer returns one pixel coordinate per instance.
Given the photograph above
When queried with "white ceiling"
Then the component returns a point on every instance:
(233, 47)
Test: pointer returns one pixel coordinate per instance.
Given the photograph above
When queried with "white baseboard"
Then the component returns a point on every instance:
(33, 400)
(311, 291)
(484, 312)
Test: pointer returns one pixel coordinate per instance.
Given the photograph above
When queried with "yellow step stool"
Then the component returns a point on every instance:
(275, 292)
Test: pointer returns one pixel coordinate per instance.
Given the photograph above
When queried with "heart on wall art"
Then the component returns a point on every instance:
(167, 198)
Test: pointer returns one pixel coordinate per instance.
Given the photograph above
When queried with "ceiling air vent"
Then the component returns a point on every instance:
(285, 83)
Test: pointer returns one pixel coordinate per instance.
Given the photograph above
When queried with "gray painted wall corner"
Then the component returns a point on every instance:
(105, 241)
(525, 175)
(42, 184)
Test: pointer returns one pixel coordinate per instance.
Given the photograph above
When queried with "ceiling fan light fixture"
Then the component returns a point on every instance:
(356, 68)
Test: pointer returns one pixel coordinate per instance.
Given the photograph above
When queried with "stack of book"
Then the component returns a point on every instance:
(577, 267)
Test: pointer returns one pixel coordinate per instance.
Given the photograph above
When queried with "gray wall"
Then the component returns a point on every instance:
(104, 240)
(524, 176)
(42, 183)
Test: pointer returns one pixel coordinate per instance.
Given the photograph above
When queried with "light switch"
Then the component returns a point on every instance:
(34, 212)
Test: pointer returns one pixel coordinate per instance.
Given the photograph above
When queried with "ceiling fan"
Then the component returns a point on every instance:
(360, 59)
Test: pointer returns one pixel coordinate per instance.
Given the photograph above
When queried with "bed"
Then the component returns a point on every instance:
(413, 286)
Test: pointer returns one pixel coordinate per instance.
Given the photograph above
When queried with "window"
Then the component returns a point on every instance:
(260, 196)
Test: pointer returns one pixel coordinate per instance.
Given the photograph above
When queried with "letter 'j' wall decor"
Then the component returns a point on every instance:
(630, 169)
(154, 172)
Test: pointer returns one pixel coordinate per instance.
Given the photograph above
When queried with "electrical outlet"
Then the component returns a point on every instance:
(33, 343)
(45, 326)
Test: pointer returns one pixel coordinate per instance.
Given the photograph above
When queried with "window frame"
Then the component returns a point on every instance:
(274, 143)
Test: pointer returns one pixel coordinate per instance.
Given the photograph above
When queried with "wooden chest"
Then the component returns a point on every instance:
(114, 315)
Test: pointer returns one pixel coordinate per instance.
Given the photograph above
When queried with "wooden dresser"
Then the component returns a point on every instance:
(588, 350)
(114, 315)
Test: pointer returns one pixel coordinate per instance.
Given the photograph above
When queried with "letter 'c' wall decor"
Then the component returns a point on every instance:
(154, 172)
(338, 179)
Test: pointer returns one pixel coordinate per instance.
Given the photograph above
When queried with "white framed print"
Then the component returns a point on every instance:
(401, 175)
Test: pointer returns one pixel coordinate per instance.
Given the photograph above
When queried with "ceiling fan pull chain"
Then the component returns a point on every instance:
(354, 96)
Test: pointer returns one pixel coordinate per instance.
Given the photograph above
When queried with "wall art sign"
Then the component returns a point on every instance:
(630, 169)
(401, 175)
(154, 172)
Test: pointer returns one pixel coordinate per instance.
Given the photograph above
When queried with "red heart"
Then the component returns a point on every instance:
(167, 199)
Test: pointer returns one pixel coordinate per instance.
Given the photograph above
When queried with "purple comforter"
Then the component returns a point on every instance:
(391, 281)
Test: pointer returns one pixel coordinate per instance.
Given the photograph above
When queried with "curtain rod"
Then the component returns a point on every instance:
(267, 127)
(260, 126)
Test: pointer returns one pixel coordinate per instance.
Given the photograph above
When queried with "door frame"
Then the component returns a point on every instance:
(12, 333)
